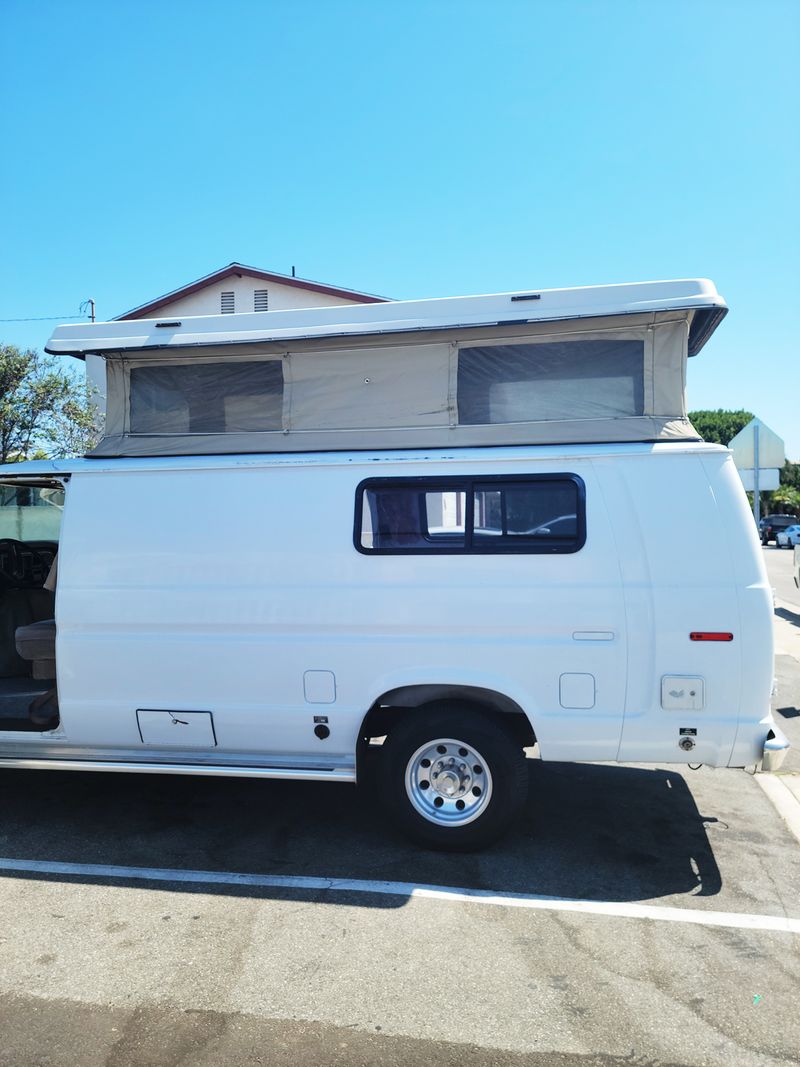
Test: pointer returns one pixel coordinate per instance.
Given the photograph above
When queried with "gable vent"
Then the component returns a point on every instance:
(260, 300)
(226, 303)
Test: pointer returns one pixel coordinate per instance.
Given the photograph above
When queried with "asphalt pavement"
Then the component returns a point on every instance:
(638, 915)
(786, 704)
(779, 567)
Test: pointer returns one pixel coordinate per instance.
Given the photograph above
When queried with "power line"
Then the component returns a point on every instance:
(47, 318)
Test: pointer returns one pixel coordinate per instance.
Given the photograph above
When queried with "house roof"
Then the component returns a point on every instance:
(143, 311)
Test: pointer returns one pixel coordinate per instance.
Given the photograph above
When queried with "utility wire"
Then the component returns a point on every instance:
(48, 318)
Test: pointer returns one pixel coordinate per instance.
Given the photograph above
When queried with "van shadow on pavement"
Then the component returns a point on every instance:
(589, 831)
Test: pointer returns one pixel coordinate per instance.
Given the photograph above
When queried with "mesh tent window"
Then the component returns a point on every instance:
(584, 379)
(206, 398)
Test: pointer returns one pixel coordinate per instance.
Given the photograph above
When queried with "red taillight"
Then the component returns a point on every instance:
(708, 635)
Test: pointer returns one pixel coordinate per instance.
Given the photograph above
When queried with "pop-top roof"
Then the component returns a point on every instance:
(555, 366)
(402, 316)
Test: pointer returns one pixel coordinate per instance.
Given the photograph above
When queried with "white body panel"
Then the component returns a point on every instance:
(230, 588)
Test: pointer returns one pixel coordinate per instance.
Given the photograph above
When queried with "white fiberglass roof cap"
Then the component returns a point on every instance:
(399, 316)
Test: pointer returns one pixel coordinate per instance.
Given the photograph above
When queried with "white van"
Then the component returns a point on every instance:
(577, 570)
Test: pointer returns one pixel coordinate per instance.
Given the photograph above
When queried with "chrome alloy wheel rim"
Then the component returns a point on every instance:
(448, 782)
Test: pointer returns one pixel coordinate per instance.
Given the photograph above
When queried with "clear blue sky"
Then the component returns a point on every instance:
(411, 149)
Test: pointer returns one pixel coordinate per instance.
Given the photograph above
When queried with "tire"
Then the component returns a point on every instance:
(482, 771)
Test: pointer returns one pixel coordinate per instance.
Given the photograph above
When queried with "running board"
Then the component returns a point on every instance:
(297, 774)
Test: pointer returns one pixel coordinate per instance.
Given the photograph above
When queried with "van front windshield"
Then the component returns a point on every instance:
(28, 513)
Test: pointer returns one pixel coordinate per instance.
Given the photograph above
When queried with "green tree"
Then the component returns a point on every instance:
(719, 426)
(785, 499)
(43, 408)
(790, 474)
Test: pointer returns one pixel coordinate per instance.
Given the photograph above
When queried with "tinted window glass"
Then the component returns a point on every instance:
(541, 511)
(536, 514)
(410, 517)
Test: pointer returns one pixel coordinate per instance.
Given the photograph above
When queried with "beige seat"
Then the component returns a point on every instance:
(36, 643)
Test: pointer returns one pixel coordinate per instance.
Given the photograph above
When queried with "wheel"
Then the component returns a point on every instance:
(452, 779)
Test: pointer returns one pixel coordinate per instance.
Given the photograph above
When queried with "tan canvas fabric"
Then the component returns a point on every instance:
(602, 431)
(582, 381)
(670, 341)
(377, 388)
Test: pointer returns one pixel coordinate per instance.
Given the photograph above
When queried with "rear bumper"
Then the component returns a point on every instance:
(775, 748)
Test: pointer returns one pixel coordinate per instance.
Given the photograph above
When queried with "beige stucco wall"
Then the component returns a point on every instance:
(207, 301)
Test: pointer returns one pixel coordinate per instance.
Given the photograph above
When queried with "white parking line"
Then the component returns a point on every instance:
(409, 890)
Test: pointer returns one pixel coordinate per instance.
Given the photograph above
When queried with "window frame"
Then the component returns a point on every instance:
(468, 484)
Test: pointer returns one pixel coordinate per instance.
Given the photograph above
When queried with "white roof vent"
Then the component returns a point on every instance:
(260, 300)
(226, 303)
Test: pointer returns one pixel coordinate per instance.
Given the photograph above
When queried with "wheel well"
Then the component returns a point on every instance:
(407, 700)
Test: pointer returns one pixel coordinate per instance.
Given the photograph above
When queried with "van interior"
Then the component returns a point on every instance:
(30, 520)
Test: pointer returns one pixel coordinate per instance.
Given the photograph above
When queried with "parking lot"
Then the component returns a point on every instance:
(637, 916)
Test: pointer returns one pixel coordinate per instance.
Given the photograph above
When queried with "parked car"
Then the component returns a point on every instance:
(771, 524)
(788, 537)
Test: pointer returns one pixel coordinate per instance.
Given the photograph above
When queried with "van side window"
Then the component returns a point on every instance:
(417, 517)
(535, 514)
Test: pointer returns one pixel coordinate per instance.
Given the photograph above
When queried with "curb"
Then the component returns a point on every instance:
(787, 635)
(783, 799)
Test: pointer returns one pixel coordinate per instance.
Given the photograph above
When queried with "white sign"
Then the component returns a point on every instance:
(768, 478)
(771, 452)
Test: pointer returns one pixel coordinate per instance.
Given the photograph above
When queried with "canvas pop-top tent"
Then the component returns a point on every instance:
(598, 364)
